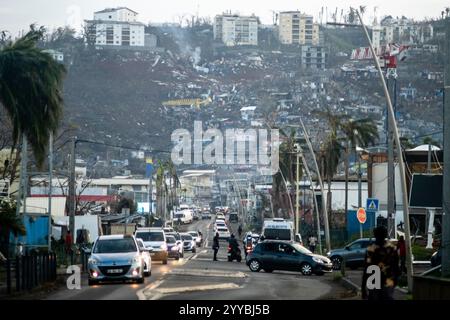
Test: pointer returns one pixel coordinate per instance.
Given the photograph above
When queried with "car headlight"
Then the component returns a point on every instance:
(174, 248)
(92, 261)
(135, 260)
(163, 247)
(318, 260)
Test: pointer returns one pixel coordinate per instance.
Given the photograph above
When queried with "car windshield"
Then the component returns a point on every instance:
(170, 239)
(175, 235)
(150, 235)
(301, 248)
(186, 237)
(122, 245)
(277, 234)
(193, 233)
(179, 215)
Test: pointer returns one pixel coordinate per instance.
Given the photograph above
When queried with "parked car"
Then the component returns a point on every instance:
(188, 242)
(145, 254)
(179, 241)
(173, 249)
(233, 217)
(197, 237)
(354, 254)
(115, 257)
(154, 238)
(286, 255)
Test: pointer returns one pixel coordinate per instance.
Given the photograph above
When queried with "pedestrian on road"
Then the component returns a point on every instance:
(383, 258)
(312, 242)
(240, 230)
(68, 242)
(215, 245)
(401, 247)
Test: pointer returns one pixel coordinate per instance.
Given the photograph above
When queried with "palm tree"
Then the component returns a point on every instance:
(30, 91)
(287, 171)
(356, 133)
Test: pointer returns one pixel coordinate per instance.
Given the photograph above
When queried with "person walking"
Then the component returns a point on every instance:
(382, 258)
(240, 230)
(68, 245)
(401, 247)
(215, 245)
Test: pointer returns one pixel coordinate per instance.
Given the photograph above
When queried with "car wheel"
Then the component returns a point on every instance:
(177, 257)
(229, 259)
(164, 261)
(268, 270)
(337, 262)
(194, 250)
(254, 266)
(306, 269)
(92, 282)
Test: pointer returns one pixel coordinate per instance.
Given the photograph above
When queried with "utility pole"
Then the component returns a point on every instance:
(359, 191)
(297, 192)
(22, 193)
(72, 182)
(50, 178)
(409, 264)
(324, 204)
(446, 183)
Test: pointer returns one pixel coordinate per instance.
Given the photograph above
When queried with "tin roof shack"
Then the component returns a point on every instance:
(248, 113)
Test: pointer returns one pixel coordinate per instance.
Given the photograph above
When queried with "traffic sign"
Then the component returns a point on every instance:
(361, 215)
(372, 204)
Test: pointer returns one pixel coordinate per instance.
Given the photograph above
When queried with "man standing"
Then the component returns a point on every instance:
(215, 245)
(382, 259)
(312, 241)
(401, 247)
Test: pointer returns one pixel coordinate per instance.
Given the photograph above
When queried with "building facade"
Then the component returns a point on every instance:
(236, 30)
(313, 57)
(298, 28)
(117, 27)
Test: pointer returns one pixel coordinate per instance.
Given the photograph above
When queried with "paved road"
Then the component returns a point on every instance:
(198, 277)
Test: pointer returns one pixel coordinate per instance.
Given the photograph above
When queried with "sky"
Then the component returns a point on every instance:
(16, 15)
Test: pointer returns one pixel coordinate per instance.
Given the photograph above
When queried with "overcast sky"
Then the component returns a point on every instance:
(16, 15)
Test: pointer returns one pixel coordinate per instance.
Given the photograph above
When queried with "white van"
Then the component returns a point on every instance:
(184, 216)
(280, 229)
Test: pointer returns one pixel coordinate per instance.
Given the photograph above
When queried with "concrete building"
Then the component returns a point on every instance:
(313, 57)
(197, 184)
(236, 30)
(298, 28)
(117, 27)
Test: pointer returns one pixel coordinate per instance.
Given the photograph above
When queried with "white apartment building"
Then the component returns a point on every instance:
(236, 30)
(298, 28)
(117, 27)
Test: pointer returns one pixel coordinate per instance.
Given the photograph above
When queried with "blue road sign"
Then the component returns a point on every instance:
(372, 204)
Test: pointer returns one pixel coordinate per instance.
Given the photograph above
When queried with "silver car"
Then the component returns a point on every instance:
(116, 257)
(145, 254)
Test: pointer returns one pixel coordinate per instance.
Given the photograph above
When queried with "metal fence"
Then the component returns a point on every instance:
(29, 271)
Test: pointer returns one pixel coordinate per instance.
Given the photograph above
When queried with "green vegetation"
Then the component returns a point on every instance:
(421, 253)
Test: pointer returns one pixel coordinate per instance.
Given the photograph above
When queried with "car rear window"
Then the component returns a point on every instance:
(150, 235)
(170, 239)
(222, 229)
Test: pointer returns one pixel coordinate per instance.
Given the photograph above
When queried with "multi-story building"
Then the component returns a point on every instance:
(117, 27)
(313, 57)
(298, 28)
(236, 30)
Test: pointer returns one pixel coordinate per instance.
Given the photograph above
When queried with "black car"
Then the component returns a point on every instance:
(272, 255)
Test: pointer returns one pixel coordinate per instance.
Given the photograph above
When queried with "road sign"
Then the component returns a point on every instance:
(372, 204)
(361, 215)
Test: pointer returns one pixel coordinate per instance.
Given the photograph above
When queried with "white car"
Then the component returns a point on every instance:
(154, 238)
(145, 254)
(219, 225)
(197, 237)
(223, 232)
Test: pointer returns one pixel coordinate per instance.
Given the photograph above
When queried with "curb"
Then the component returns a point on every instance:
(351, 285)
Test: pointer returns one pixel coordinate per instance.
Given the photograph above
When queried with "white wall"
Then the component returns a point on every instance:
(338, 194)
(117, 15)
(379, 184)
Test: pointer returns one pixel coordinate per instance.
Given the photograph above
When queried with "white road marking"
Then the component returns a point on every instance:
(151, 286)
(219, 286)
(208, 273)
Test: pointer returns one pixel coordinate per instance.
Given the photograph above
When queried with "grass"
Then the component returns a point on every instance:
(421, 253)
